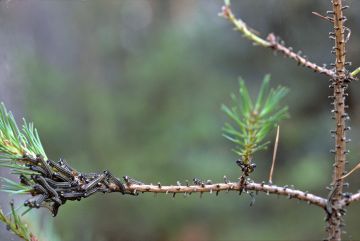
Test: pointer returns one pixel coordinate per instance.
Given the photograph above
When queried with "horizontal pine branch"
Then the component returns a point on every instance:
(229, 186)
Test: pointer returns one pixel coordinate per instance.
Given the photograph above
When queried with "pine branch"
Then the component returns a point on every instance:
(49, 183)
(270, 42)
(228, 186)
(53, 183)
(301, 60)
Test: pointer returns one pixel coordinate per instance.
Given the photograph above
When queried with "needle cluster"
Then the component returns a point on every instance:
(253, 121)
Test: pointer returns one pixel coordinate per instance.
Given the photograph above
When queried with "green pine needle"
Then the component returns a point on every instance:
(16, 225)
(31, 139)
(253, 122)
(15, 142)
(10, 186)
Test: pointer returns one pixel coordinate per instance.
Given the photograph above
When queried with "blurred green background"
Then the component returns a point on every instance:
(135, 86)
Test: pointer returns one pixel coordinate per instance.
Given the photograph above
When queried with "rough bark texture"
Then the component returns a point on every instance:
(339, 84)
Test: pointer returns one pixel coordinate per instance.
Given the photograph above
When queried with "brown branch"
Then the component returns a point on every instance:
(271, 42)
(231, 186)
(339, 84)
(302, 61)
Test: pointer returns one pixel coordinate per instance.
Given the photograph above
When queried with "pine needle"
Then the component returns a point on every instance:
(274, 154)
(352, 170)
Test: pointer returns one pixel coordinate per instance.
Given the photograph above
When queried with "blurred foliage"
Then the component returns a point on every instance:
(136, 87)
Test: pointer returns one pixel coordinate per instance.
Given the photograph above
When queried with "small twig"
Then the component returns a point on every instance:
(231, 186)
(352, 170)
(331, 20)
(274, 154)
